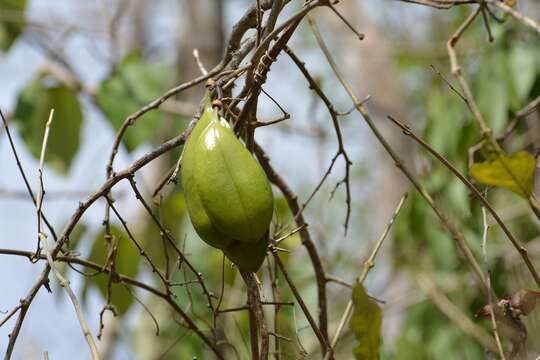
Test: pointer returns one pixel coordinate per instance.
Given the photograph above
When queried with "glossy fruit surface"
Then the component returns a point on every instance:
(232, 185)
(228, 196)
(248, 257)
(200, 220)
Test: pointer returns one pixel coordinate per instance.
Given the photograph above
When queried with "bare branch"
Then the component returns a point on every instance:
(454, 313)
(307, 242)
(42, 238)
(368, 265)
(454, 231)
(520, 248)
(298, 297)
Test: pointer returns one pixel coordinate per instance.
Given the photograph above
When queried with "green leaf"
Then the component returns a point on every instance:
(127, 263)
(458, 197)
(366, 324)
(445, 120)
(33, 107)
(492, 92)
(515, 172)
(134, 84)
(524, 67)
(10, 30)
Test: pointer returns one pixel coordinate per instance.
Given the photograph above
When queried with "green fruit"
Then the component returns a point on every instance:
(200, 220)
(228, 196)
(248, 257)
(232, 185)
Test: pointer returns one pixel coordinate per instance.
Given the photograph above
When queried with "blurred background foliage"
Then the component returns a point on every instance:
(505, 76)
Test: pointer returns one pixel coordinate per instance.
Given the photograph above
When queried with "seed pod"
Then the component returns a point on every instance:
(232, 185)
(200, 220)
(248, 257)
(228, 196)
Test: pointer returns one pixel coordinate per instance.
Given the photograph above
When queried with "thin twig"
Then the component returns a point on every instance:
(167, 179)
(515, 242)
(142, 252)
(491, 306)
(83, 207)
(485, 131)
(491, 301)
(23, 174)
(88, 264)
(13, 311)
(454, 313)
(368, 265)
(78, 309)
(516, 15)
(341, 147)
(302, 304)
(131, 120)
(307, 242)
(440, 4)
(338, 281)
(203, 70)
(124, 280)
(454, 231)
(359, 35)
(257, 324)
(45, 246)
(154, 320)
(170, 239)
(520, 114)
(484, 233)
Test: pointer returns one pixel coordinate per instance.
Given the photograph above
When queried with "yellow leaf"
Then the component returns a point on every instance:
(515, 172)
(366, 324)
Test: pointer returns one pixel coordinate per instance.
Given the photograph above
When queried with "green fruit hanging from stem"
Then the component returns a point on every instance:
(200, 220)
(232, 185)
(248, 257)
(228, 195)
